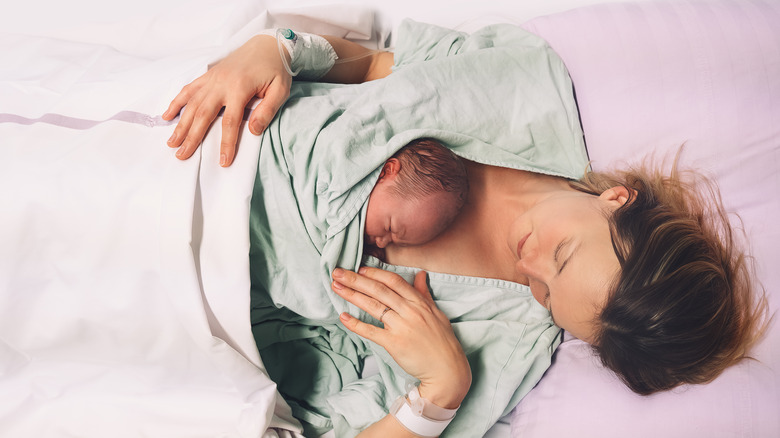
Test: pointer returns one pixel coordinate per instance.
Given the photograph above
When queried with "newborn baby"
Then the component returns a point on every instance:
(419, 193)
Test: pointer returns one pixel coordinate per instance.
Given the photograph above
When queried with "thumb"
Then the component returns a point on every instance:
(272, 100)
(421, 284)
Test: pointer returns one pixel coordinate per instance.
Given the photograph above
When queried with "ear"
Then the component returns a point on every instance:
(618, 195)
(390, 169)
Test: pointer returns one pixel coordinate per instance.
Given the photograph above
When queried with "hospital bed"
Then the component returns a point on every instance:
(123, 271)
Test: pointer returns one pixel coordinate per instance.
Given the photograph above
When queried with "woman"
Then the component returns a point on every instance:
(636, 264)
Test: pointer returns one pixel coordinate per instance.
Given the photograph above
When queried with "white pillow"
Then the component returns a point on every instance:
(651, 76)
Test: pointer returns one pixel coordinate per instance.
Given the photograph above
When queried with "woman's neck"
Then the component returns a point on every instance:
(476, 243)
(520, 188)
(500, 196)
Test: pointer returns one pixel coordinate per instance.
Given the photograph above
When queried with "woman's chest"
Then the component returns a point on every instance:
(474, 245)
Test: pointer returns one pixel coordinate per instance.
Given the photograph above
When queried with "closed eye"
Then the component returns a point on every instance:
(557, 254)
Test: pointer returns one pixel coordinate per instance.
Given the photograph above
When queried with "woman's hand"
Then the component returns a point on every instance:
(416, 333)
(254, 69)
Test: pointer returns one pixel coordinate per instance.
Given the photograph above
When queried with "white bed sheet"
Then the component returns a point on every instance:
(123, 271)
(106, 326)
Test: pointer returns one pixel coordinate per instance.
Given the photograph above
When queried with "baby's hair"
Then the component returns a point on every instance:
(427, 168)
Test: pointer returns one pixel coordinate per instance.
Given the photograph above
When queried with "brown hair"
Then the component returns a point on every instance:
(428, 167)
(683, 307)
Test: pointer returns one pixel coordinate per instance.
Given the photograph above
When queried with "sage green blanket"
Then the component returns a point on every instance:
(500, 97)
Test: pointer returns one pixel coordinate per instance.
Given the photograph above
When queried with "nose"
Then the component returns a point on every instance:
(531, 266)
(528, 269)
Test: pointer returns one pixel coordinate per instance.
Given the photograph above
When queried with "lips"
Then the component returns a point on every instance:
(520, 245)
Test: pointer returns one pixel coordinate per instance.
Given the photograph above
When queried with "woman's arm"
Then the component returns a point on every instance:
(416, 334)
(368, 65)
(255, 70)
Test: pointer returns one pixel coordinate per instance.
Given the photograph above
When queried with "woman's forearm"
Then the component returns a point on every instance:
(368, 64)
(387, 427)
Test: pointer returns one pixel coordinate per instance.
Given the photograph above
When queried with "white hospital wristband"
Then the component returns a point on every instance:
(420, 416)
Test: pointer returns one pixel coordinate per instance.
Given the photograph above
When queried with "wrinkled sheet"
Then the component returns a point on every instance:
(124, 285)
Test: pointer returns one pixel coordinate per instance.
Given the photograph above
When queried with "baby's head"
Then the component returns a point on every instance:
(419, 193)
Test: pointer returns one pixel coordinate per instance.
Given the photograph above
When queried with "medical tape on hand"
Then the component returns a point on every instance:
(311, 56)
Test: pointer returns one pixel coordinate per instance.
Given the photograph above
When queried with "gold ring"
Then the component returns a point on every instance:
(387, 309)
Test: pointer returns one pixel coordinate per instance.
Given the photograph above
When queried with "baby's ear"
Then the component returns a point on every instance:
(390, 168)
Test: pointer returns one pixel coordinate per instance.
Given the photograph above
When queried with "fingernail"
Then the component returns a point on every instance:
(172, 139)
(336, 285)
(257, 128)
(180, 152)
(222, 160)
(338, 273)
(362, 270)
(345, 317)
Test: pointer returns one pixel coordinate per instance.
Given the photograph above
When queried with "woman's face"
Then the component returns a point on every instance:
(564, 250)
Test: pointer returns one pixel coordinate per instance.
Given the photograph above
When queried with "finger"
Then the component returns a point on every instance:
(231, 124)
(204, 116)
(181, 99)
(182, 127)
(377, 291)
(187, 116)
(369, 304)
(273, 99)
(392, 281)
(362, 329)
(175, 106)
(421, 284)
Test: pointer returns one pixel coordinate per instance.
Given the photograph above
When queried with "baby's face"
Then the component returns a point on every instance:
(404, 221)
